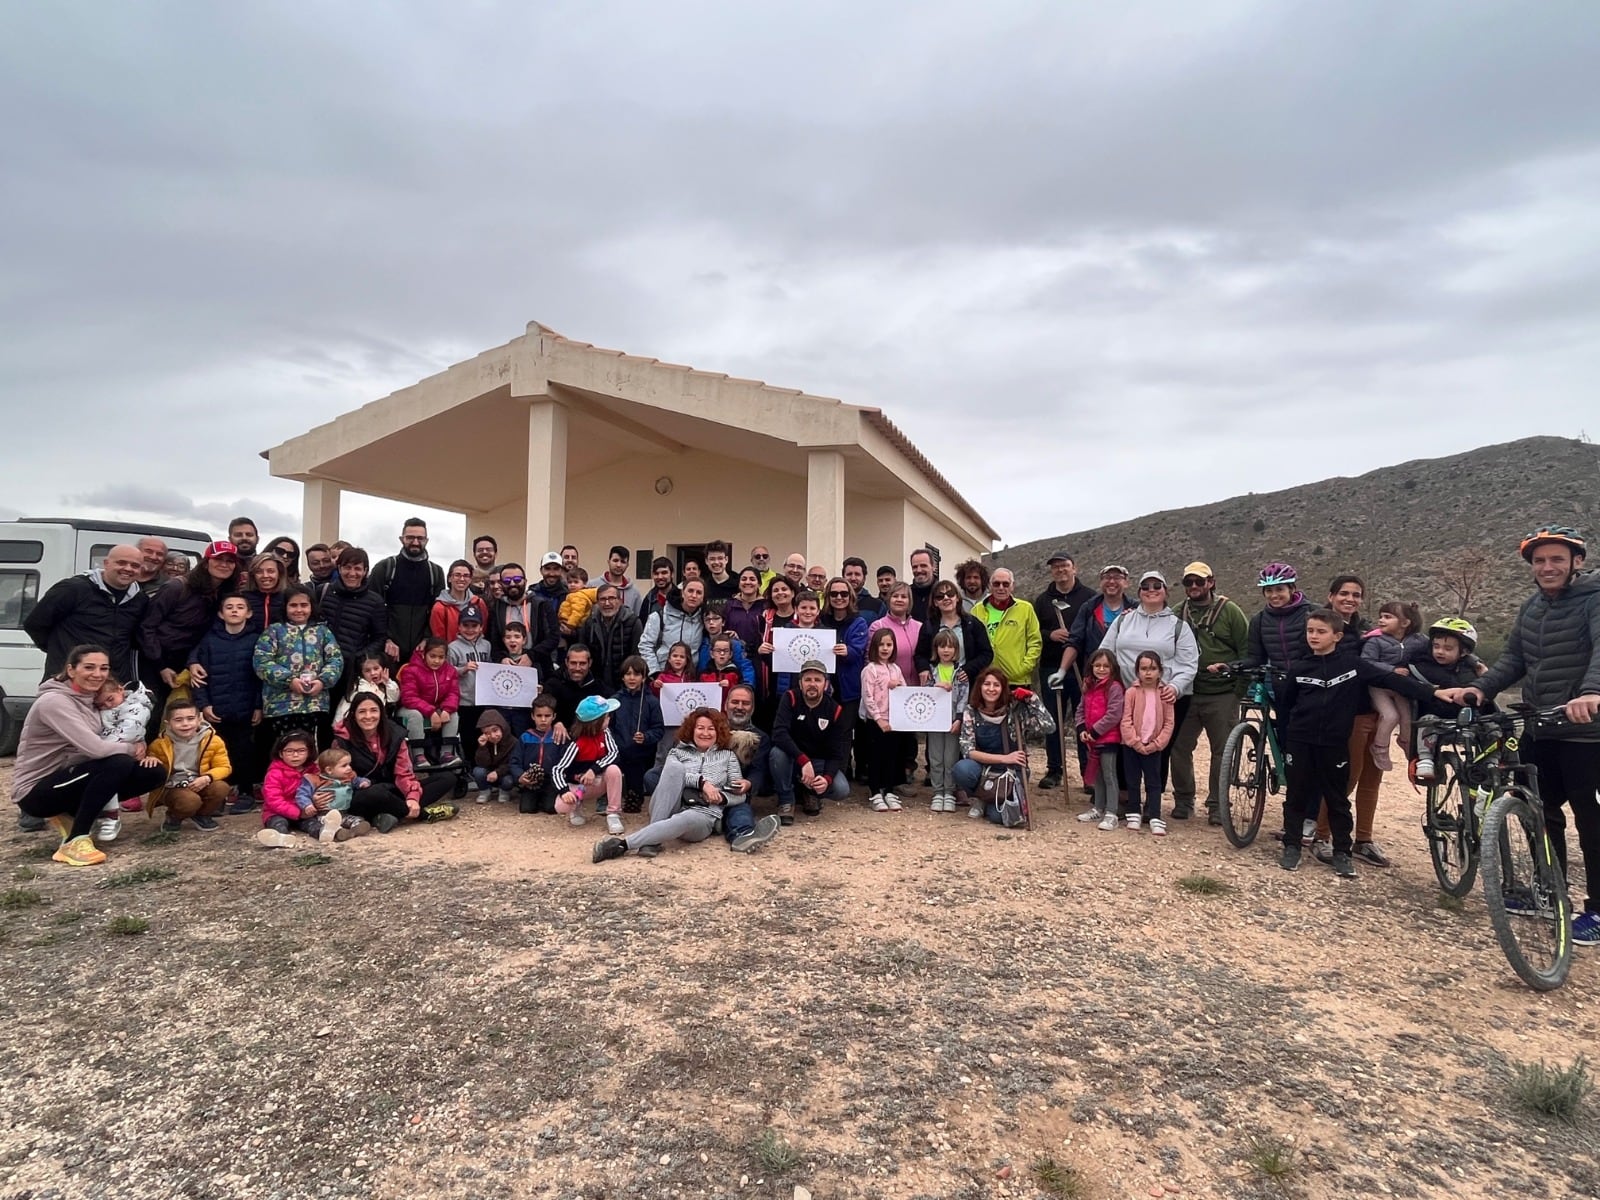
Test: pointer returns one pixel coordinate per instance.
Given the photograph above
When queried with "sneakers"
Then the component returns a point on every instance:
(609, 848)
(1290, 860)
(614, 824)
(483, 793)
(1519, 902)
(786, 814)
(170, 825)
(502, 796)
(1322, 851)
(79, 852)
(241, 803)
(576, 818)
(765, 830)
(206, 823)
(812, 805)
(331, 829)
(1308, 832)
(975, 811)
(106, 828)
(1109, 821)
(1213, 817)
(60, 825)
(892, 800)
(649, 851)
(273, 840)
(879, 802)
(1342, 866)
(134, 805)
(1134, 821)
(1586, 929)
(385, 822)
(1050, 782)
(1424, 769)
(1094, 814)
(1158, 827)
(28, 823)
(1370, 852)
(439, 812)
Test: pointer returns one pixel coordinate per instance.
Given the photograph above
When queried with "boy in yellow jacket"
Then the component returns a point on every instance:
(196, 761)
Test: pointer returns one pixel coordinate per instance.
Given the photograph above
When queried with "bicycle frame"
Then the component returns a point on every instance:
(1256, 705)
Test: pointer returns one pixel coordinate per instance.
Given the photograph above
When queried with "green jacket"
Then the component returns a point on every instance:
(1223, 632)
(1015, 637)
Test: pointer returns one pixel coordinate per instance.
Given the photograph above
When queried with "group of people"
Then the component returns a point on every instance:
(275, 672)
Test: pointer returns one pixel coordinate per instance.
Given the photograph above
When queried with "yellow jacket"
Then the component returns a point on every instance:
(213, 757)
(575, 609)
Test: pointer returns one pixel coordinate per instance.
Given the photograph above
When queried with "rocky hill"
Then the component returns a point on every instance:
(1427, 530)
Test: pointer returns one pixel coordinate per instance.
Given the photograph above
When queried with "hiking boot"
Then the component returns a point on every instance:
(1370, 852)
(385, 822)
(786, 814)
(614, 825)
(1182, 812)
(763, 832)
(201, 821)
(1051, 781)
(1342, 866)
(1290, 860)
(609, 848)
(79, 852)
(273, 840)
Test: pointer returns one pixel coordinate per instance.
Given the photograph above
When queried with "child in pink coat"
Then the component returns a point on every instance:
(1146, 729)
(1100, 729)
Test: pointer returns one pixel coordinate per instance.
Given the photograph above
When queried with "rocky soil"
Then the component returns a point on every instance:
(875, 1005)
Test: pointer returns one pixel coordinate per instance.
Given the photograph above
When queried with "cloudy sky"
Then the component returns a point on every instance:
(1095, 259)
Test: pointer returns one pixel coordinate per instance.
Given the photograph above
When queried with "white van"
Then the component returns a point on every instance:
(35, 552)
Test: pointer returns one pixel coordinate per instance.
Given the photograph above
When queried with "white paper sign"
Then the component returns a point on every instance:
(791, 648)
(496, 685)
(678, 700)
(920, 710)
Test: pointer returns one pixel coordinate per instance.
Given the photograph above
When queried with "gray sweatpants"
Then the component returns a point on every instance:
(668, 818)
(944, 752)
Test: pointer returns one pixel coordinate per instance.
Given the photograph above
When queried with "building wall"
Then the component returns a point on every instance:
(924, 529)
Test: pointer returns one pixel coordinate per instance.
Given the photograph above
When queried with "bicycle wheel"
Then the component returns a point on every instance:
(1244, 784)
(1447, 821)
(1526, 893)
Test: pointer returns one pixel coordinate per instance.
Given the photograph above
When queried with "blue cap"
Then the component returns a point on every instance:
(592, 708)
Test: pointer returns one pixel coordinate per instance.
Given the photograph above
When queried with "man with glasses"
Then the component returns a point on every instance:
(532, 612)
(761, 560)
(1223, 633)
(408, 583)
(816, 578)
(612, 634)
(1012, 625)
(485, 550)
(721, 584)
(794, 570)
(1056, 608)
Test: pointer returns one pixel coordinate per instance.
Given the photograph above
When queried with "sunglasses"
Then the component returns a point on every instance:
(512, 578)
(1152, 587)
(838, 595)
(1192, 581)
(759, 557)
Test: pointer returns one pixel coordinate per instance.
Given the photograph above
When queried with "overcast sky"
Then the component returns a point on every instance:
(1094, 259)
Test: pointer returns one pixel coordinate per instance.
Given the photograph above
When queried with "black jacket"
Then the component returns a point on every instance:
(173, 625)
(408, 623)
(358, 621)
(1323, 693)
(1554, 649)
(609, 643)
(569, 694)
(544, 630)
(81, 611)
(974, 641)
(819, 736)
(1056, 611)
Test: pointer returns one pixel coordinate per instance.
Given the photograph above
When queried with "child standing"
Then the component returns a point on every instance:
(469, 649)
(230, 697)
(1146, 730)
(1100, 729)
(884, 752)
(299, 663)
(679, 667)
(1389, 646)
(590, 760)
(535, 760)
(718, 666)
(944, 749)
(515, 639)
(638, 729)
(430, 694)
(715, 620)
(197, 767)
(491, 771)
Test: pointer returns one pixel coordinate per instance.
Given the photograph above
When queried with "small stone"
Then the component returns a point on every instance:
(666, 1160)
(1003, 1173)
(801, 1193)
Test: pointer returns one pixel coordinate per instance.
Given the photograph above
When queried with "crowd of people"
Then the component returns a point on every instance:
(335, 695)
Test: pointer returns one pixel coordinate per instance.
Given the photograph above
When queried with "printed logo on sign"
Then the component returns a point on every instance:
(692, 698)
(806, 646)
(506, 683)
(920, 707)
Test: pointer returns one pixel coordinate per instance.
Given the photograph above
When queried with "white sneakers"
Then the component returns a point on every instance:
(942, 802)
(107, 825)
(614, 825)
(1109, 821)
(1094, 814)
(879, 804)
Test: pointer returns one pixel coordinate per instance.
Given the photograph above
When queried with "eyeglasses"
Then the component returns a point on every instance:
(1000, 583)
(1152, 587)
(512, 578)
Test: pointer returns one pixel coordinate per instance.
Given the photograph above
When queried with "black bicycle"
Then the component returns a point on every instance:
(1483, 809)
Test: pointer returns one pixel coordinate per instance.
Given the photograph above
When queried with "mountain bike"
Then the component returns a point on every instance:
(1523, 885)
(1252, 759)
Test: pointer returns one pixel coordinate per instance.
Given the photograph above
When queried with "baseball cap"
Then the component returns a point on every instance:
(550, 560)
(1058, 556)
(1110, 567)
(1198, 568)
(472, 613)
(592, 708)
(813, 664)
(216, 548)
(1156, 575)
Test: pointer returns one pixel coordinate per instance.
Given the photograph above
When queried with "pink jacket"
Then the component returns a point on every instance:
(426, 690)
(876, 681)
(1101, 713)
(1137, 704)
(905, 642)
(278, 791)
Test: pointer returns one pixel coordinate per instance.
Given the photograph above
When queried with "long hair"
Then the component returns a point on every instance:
(1097, 656)
(851, 611)
(977, 691)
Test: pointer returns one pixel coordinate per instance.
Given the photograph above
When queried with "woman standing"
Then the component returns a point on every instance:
(745, 611)
(676, 621)
(354, 613)
(850, 643)
(179, 616)
(287, 551)
(973, 649)
(265, 585)
(65, 772)
(1154, 626)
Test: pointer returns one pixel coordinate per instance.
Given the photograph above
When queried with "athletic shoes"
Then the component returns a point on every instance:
(60, 825)
(273, 840)
(439, 812)
(1342, 866)
(1370, 852)
(608, 848)
(1586, 929)
(1290, 861)
(205, 822)
(764, 831)
(79, 852)
(613, 824)
(1094, 814)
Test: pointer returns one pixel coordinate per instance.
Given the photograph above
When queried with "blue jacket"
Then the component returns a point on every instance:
(847, 671)
(232, 687)
(747, 669)
(640, 713)
(533, 749)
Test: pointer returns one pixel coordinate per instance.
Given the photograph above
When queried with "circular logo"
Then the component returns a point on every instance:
(920, 707)
(506, 684)
(693, 696)
(805, 646)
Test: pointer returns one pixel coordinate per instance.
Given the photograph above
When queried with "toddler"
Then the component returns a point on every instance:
(1389, 646)
(376, 681)
(1449, 664)
(1146, 729)
(335, 782)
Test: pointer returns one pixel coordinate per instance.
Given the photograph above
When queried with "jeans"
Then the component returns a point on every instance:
(480, 776)
(785, 773)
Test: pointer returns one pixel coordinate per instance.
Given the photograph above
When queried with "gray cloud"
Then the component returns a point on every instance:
(211, 516)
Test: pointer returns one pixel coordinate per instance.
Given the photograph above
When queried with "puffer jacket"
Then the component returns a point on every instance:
(667, 625)
(1101, 711)
(232, 688)
(1278, 635)
(285, 652)
(1554, 649)
(213, 757)
(359, 622)
(174, 624)
(637, 712)
(424, 690)
(266, 608)
(609, 643)
(1136, 631)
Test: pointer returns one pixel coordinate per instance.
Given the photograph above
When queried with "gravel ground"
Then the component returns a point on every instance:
(911, 1005)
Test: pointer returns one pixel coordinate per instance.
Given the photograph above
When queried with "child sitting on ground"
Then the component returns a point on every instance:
(535, 759)
(589, 761)
(491, 771)
(196, 760)
(1396, 639)
(335, 780)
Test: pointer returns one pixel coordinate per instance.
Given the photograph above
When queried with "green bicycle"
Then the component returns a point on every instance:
(1252, 760)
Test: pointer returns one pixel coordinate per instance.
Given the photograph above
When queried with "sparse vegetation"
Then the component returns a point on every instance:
(138, 875)
(1058, 1179)
(162, 837)
(775, 1154)
(1271, 1158)
(1552, 1090)
(311, 859)
(27, 872)
(126, 926)
(20, 897)
(70, 917)
(1197, 883)
(1449, 903)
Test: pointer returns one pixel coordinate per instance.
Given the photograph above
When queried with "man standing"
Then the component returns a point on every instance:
(320, 562)
(794, 570)
(1056, 607)
(407, 583)
(485, 552)
(569, 557)
(761, 560)
(530, 610)
(816, 578)
(552, 585)
(1013, 627)
(922, 582)
(102, 607)
(611, 633)
(1223, 633)
(243, 534)
(721, 584)
(1092, 620)
(153, 570)
(868, 605)
(617, 576)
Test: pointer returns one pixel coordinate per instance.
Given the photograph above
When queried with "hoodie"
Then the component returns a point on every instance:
(1136, 631)
(494, 757)
(445, 619)
(62, 730)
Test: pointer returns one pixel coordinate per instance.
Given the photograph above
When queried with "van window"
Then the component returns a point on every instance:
(21, 552)
(97, 555)
(19, 591)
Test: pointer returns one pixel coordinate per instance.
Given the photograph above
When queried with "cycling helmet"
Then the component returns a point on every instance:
(1275, 573)
(1457, 628)
(1568, 537)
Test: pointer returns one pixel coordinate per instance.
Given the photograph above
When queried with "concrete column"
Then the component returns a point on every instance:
(825, 509)
(319, 520)
(547, 480)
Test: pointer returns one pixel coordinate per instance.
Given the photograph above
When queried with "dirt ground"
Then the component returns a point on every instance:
(875, 1005)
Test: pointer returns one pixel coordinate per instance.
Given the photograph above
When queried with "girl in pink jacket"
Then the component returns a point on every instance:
(281, 813)
(1100, 729)
(430, 695)
(884, 752)
(1146, 730)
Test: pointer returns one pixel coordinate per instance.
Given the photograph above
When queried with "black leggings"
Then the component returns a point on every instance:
(87, 788)
(378, 798)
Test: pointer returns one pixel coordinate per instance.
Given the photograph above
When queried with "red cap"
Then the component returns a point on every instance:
(216, 548)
